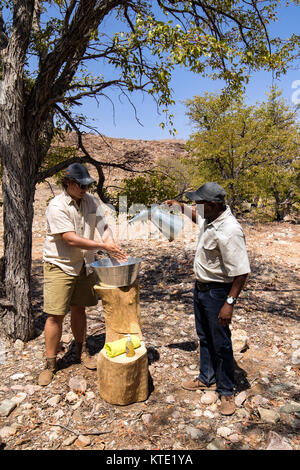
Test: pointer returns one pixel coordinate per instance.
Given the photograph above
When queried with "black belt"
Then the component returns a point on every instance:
(205, 286)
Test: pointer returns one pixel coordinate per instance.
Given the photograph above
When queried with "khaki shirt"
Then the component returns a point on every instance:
(64, 215)
(221, 251)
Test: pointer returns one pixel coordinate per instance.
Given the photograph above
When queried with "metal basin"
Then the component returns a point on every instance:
(120, 275)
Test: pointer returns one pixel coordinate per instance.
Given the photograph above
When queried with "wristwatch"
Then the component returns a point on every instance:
(231, 300)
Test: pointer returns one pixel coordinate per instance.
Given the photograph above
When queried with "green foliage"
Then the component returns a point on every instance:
(170, 178)
(252, 151)
(147, 190)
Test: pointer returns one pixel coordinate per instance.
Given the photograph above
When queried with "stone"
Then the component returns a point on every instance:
(170, 399)
(209, 398)
(208, 414)
(83, 441)
(77, 405)
(52, 435)
(17, 387)
(240, 398)
(67, 338)
(213, 407)
(31, 389)
(276, 442)
(59, 414)
(90, 395)
(193, 433)
(8, 431)
(77, 417)
(29, 378)
(19, 398)
(258, 400)
(19, 345)
(17, 376)
(296, 358)
(223, 431)
(78, 384)
(268, 416)
(6, 407)
(239, 340)
(71, 397)
(53, 401)
(69, 441)
(292, 407)
(147, 418)
(217, 444)
(234, 438)
(242, 413)
(27, 406)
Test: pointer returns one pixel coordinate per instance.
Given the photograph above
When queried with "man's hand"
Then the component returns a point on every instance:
(109, 245)
(225, 314)
(115, 251)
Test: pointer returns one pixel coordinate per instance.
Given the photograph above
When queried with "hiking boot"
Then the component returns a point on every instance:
(196, 384)
(47, 374)
(82, 356)
(227, 406)
(88, 361)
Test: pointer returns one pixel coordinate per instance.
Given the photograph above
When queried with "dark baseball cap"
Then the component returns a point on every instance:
(79, 173)
(207, 192)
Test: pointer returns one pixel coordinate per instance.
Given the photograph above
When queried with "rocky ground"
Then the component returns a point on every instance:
(69, 413)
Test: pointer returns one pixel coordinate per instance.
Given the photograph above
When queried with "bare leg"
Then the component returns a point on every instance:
(53, 332)
(78, 323)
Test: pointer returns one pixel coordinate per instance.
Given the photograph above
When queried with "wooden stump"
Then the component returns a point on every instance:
(122, 380)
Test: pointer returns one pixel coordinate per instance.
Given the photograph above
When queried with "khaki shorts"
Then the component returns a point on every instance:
(62, 290)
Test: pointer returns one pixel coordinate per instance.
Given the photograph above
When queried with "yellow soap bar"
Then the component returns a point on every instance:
(115, 348)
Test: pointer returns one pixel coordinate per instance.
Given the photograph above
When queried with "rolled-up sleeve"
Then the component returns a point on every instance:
(234, 253)
(58, 220)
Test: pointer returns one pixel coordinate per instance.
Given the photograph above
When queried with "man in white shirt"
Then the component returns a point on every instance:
(69, 248)
(221, 267)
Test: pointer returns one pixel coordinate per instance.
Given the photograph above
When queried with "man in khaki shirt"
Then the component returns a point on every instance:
(72, 219)
(221, 267)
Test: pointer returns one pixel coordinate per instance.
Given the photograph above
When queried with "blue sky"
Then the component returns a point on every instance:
(120, 121)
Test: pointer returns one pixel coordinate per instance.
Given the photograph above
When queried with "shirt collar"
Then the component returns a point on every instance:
(217, 222)
(69, 199)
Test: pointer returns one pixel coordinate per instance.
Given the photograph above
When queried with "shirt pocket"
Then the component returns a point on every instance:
(210, 251)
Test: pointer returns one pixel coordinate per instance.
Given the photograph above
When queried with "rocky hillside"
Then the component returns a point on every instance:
(140, 155)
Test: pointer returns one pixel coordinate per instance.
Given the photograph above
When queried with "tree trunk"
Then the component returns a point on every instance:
(15, 310)
(279, 211)
(19, 163)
